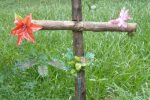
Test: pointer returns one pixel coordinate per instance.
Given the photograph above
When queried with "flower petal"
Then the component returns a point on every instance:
(20, 38)
(122, 12)
(18, 22)
(114, 21)
(16, 30)
(122, 24)
(27, 20)
(30, 35)
(25, 35)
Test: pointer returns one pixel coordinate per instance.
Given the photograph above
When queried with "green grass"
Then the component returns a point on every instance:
(122, 66)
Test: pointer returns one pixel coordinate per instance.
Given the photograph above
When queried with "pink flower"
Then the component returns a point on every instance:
(121, 21)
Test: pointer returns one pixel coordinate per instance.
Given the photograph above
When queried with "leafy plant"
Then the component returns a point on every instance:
(70, 63)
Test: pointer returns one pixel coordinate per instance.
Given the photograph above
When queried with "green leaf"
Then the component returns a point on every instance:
(84, 64)
(69, 54)
(78, 66)
(25, 65)
(71, 62)
(18, 16)
(58, 64)
(42, 59)
(73, 71)
(43, 71)
(77, 58)
(89, 55)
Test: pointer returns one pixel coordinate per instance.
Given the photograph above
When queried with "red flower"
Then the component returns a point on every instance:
(24, 28)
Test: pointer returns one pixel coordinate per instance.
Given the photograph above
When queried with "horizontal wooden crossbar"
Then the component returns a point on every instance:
(84, 26)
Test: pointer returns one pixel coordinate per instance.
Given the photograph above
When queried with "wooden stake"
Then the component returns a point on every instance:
(80, 91)
(83, 26)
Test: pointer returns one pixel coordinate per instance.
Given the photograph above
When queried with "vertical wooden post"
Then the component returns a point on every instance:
(80, 90)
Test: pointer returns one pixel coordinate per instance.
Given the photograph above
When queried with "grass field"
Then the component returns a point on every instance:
(122, 67)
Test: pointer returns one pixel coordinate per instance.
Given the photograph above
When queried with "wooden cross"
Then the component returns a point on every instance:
(78, 26)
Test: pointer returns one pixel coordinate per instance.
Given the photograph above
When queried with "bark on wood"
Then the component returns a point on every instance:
(80, 91)
(83, 26)
(76, 10)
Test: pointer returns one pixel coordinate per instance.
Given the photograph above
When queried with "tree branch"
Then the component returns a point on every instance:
(84, 26)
